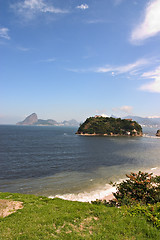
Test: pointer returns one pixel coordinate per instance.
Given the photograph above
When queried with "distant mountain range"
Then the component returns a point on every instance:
(33, 120)
(145, 122)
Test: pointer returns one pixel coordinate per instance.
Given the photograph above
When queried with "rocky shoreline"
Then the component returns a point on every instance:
(109, 135)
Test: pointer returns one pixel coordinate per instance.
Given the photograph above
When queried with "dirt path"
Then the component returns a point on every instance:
(8, 207)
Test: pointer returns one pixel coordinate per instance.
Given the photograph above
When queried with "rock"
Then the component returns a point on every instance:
(158, 133)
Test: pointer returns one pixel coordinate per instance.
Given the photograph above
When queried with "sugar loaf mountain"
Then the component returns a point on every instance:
(32, 120)
(109, 126)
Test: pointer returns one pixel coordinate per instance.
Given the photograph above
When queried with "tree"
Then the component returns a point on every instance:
(139, 187)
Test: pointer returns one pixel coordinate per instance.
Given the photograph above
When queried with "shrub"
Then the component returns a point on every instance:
(151, 212)
(140, 187)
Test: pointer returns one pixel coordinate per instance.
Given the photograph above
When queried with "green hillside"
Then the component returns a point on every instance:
(44, 218)
(110, 126)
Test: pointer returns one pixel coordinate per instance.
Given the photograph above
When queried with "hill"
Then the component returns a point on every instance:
(32, 120)
(146, 121)
(44, 218)
(110, 126)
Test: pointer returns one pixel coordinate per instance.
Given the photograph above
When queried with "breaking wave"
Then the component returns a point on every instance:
(103, 193)
(88, 196)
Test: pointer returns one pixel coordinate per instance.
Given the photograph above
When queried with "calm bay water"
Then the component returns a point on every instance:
(53, 161)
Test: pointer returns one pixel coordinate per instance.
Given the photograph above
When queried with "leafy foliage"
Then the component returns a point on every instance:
(139, 195)
(151, 212)
(109, 126)
(140, 187)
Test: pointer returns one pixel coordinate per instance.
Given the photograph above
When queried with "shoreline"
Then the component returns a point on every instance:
(108, 135)
(154, 170)
(105, 193)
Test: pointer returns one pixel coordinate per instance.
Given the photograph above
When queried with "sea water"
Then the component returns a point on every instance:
(55, 162)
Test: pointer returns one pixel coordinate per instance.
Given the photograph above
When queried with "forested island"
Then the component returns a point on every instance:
(109, 126)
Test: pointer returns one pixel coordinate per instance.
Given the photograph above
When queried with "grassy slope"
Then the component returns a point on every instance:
(43, 218)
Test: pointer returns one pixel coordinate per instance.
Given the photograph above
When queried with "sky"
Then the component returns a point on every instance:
(71, 59)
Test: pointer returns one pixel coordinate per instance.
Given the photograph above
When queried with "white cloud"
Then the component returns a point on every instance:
(4, 33)
(154, 85)
(152, 74)
(126, 109)
(131, 68)
(123, 109)
(117, 2)
(77, 70)
(49, 60)
(83, 6)
(135, 69)
(153, 116)
(23, 49)
(124, 68)
(150, 26)
(29, 8)
(105, 69)
(95, 21)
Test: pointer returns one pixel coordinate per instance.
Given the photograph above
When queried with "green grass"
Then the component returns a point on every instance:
(43, 218)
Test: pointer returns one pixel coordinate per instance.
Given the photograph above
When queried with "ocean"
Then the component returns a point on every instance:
(55, 162)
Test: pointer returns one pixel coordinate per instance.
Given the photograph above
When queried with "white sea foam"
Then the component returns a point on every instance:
(101, 193)
(88, 196)
(154, 168)
(149, 136)
(155, 171)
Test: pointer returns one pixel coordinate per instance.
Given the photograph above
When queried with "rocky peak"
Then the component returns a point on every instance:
(30, 120)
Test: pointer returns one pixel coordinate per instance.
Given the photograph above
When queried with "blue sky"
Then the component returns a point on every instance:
(67, 59)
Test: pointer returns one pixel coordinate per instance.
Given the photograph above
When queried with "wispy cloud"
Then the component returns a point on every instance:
(77, 70)
(23, 49)
(95, 21)
(49, 60)
(83, 6)
(150, 25)
(153, 116)
(124, 68)
(154, 85)
(138, 68)
(131, 68)
(123, 109)
(4, 33)
(29, 8)
(126, 109)
(117, 2)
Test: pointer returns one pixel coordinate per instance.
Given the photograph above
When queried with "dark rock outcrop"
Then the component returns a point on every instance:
(158, 133)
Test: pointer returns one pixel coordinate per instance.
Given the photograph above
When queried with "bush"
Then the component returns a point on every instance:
(140, 187)
(151, 212)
